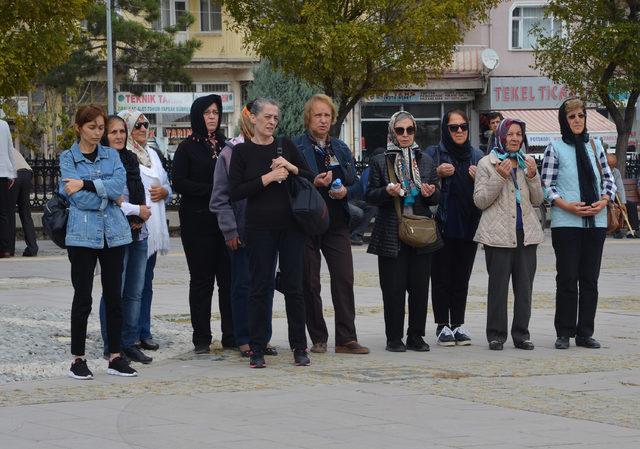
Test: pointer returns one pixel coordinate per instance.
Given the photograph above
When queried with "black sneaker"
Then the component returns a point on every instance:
(395, 346)
(496, 345)
(80, 370)
(202, 348)
(587, 342)
(120, 367)
(462, 336)
(256, 360)
(417, 343)
(562, 343)
(301, 357)
(446, 337)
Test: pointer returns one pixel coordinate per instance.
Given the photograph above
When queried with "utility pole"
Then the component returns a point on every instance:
(109, 61)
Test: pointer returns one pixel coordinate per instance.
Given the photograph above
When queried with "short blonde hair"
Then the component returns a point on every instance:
(573, 104)
(612, 160)
(323, 99)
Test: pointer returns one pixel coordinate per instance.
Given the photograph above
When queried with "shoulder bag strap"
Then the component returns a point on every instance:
(392, 176)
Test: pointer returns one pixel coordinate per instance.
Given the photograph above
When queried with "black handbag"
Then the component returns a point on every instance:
(54, 219)
(307, 205)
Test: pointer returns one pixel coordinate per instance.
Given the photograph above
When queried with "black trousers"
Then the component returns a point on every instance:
(264, 246)
(632, 212)
(208, 262)
(335, 245)
(407, 273)
(368, 213)
(578, 257)
(83, 264)
(19, 196)
(519, 264)
(5, 210)
(450, 273)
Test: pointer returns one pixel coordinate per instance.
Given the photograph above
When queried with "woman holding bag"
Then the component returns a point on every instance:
(402, 268)
(507, 188)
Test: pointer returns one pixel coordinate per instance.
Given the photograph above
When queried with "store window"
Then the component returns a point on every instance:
(523, 19)
(210, 15)
(375, 122)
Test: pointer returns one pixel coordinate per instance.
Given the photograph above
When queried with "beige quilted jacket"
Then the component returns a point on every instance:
(496, 197)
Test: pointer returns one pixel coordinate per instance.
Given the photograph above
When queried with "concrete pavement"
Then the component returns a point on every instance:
(450, 397)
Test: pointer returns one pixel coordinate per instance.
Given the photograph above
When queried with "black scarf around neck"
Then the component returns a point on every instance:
(586, 176)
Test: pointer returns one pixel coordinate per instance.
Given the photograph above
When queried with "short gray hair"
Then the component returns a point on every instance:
(260, 103)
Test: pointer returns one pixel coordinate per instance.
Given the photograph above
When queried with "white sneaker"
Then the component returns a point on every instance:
(446, 337)
(462, 336)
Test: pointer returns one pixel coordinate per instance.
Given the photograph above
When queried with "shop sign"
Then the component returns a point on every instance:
(417, 96)
(167, 102)
(176, 135)
(526, 93)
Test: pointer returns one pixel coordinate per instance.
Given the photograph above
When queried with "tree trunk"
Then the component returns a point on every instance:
(622, 143)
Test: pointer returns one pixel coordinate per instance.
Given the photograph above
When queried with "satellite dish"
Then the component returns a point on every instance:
(490, 59)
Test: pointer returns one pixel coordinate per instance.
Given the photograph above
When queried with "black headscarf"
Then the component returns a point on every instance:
(586, 176)
(458, 152)
(213, 140)
(132, 168)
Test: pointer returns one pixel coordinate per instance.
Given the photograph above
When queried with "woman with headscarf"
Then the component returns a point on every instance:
(458, 219)
(203, 242)
(578, 184)
(133, 205)
(402, 269)
(157, 195)
(507, 188)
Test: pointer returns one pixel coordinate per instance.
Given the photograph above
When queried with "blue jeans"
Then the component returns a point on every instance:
(240, 289)
(133, 275)
(147, 295)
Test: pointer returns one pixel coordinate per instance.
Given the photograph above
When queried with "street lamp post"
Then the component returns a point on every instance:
(109, 61)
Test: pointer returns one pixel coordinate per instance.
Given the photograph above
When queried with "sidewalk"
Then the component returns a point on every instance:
(456, 397)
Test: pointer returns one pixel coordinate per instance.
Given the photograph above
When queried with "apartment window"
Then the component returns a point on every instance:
(210, 15)
(170, 13)
(215, 87)
(523, 19)
(179, 88)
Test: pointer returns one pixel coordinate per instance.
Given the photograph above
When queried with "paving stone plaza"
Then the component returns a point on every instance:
(459, 397)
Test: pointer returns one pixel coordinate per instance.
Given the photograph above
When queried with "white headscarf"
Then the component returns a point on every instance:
(131, 116)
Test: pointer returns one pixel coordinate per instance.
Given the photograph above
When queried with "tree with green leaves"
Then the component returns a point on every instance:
(597, 56)
(142, 52)
(290, 92)
(35, 35)
(354, 47)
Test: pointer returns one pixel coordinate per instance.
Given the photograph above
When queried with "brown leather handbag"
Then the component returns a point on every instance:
(413, 230)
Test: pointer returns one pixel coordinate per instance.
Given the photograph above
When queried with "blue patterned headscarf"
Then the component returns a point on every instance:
(499, 142)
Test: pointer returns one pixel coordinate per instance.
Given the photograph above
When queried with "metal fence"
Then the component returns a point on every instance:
(46, 177)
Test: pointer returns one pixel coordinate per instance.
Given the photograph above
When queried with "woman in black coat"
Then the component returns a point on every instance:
(402, 268)
(202, 240)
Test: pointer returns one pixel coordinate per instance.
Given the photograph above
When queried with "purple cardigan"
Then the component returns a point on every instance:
(230, 215)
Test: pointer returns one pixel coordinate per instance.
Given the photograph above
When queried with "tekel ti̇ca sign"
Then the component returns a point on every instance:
(526, 93)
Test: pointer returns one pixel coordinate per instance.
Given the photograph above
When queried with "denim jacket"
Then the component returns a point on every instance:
(94, 216)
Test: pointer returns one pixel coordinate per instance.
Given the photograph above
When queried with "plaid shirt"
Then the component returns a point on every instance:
(549, 175)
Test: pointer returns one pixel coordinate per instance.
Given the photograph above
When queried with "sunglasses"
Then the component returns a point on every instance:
(573, 116)
(139, 125)
(411, 130)
(461, 126)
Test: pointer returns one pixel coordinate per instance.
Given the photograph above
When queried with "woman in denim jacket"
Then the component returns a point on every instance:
(93, 179)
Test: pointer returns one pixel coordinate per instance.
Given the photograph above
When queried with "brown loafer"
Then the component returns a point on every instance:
(352, 347)
(319, 348)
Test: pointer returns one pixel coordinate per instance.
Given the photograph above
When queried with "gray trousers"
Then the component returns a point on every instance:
(519, 264)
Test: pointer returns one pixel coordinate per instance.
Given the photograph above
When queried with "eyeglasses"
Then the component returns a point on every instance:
(579, 115)
(139, 125)
(455, 127)
(213, 112)
(411, 130)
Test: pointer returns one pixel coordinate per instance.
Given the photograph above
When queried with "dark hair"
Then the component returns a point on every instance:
(493, 115)
(460, 112)
(105, 138)
(89, 113)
